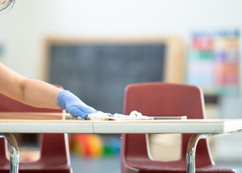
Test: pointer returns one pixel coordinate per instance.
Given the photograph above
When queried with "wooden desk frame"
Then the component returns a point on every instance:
(174, 62)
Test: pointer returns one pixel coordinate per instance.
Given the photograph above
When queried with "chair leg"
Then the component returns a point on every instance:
(14, 151)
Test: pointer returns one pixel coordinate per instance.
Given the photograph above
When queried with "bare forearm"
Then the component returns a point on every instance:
(32, 92)
(39, 94)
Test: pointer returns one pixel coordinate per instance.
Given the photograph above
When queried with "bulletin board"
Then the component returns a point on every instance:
(214, 61)
(98, 70)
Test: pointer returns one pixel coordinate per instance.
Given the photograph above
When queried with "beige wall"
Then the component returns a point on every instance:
(23, 28)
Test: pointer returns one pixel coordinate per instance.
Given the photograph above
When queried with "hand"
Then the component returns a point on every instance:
(68, 101)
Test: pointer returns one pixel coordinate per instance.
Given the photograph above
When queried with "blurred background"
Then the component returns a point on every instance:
(95, 48)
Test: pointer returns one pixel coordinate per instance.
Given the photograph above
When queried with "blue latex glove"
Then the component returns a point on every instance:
(68, 101)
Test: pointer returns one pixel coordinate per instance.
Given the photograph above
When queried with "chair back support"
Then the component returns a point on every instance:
(162, 99)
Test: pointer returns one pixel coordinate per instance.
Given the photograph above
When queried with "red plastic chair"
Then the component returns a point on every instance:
(164, 99)
(54, 154)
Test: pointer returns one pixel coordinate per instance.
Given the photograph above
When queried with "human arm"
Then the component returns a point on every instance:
(40, 94)
(32, 92)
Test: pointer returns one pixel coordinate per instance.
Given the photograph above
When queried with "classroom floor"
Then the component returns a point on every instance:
(111, 165)
(103, 165)
(228, 153)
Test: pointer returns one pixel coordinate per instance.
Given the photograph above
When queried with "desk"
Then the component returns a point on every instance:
(201, 128)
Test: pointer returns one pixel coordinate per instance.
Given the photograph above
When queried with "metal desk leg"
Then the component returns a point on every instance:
(14, 151)
(191, 150)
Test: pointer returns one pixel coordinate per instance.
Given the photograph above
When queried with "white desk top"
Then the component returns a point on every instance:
(112, 127)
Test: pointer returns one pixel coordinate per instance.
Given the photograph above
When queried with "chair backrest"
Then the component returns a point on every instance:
(54, 147)
(163, 99)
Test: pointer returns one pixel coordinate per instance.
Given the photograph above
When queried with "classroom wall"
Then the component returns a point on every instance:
(24, 27)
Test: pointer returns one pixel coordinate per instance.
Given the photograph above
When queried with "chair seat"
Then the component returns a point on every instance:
(41, 165)
(38, 167)
(40, 171)
(210, 169)
(158, 166)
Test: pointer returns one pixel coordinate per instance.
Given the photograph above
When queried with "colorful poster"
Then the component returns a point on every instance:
(213, 62)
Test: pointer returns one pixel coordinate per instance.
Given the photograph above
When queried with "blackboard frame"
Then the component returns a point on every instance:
(174, 60)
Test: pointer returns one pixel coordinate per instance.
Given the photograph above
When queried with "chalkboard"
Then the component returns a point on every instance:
(99, 73)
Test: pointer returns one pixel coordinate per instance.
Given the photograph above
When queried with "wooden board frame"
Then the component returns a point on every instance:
(174, 62)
